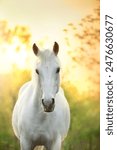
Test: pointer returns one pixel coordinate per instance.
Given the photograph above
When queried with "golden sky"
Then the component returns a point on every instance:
(45, 17)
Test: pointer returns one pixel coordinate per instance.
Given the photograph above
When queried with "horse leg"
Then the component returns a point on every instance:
(40, 148)
(56, 144)
(25, 145)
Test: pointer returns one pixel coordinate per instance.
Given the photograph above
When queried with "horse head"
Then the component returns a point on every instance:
(47, 71)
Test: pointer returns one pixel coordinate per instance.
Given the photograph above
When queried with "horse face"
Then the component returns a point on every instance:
(49, 81)
(48, 72)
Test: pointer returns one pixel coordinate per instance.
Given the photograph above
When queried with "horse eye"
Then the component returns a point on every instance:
(37, 71)
(58, 70)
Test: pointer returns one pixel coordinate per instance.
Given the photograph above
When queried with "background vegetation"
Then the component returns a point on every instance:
(80, 80)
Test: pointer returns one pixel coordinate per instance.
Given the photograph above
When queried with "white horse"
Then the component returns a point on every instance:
(41, 116)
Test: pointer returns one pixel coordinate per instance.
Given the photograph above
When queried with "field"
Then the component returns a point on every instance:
(79, 41)
(84, 131)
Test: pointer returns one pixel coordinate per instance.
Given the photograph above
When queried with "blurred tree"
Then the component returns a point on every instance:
(82, 40)
(15, 43)
(7, 34)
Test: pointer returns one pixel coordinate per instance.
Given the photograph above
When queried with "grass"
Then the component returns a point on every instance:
(84, 133)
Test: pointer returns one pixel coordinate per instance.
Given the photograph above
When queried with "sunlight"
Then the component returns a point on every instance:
(78, 53)
(11, 56)
(74, 25)
(16, 54)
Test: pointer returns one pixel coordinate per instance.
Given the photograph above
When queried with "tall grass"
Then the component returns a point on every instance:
(84, 130)
(84, 133)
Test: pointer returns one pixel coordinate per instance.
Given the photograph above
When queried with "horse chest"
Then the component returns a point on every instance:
(41, 133)
(40, 127)
(41, 138)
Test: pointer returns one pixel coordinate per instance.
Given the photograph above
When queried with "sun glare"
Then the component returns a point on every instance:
(12, 55)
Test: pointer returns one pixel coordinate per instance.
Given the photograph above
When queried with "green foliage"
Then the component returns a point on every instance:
(82, 40)
(84, 133)
(84, 130)
(10, 84)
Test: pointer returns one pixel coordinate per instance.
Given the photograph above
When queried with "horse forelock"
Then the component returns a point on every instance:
(48, 56)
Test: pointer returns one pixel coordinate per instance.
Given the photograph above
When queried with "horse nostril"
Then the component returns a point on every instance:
(43, 102)
(53, 101)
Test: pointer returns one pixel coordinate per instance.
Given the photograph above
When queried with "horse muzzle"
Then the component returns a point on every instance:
(48, 105)
(48, 110)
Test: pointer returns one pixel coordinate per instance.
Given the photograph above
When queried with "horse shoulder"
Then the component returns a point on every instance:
(61, 97)
(61, 90)
(64, 114)
(22, 89)
(19, 107)
(20, 102)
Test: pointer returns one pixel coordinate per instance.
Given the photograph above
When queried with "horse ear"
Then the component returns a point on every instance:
(35, 49)
(55, 48)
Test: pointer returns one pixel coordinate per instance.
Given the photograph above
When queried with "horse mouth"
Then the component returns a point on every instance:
(49, 110)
